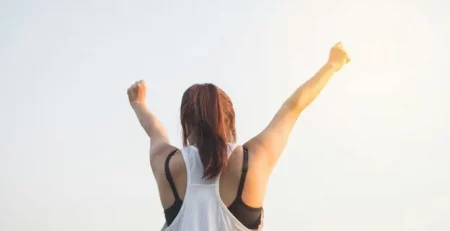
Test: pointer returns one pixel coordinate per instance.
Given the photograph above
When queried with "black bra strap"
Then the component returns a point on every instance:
(169, 176)
(243, 174)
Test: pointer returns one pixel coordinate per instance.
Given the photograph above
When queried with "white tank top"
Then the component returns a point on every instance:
(203, 209)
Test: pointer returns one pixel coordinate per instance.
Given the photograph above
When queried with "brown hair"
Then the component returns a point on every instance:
(207, 119)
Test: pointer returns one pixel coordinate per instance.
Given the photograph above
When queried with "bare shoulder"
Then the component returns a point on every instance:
(177, 165)
(177, 170)
(257, 155)
(235, 161)
(257, 175)
(256, 161)
(158, 158)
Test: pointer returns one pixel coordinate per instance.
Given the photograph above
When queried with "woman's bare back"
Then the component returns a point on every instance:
(254, 187)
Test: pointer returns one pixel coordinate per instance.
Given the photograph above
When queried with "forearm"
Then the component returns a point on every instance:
(307, 92)
(149, 122)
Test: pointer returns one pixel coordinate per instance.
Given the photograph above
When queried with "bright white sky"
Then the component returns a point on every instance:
(372, 153)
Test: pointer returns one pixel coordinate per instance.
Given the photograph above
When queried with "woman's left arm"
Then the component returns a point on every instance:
(159, 140)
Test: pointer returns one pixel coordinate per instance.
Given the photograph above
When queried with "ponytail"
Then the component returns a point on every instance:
(208, 113)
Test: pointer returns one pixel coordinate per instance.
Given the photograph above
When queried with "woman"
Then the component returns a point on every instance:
(212, 183)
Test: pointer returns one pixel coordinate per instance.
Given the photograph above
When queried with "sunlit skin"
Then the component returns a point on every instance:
(264, 149)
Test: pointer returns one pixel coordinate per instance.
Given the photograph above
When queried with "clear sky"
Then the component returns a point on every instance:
(371, 153)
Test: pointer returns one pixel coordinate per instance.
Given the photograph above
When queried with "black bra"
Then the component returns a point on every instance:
(250, 217)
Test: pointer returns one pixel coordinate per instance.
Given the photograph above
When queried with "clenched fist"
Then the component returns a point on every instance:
(137, 92)
(338, 56)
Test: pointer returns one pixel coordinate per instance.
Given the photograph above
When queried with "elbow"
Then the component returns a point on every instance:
(295, 107)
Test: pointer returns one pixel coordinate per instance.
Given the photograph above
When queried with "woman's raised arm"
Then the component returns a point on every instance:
(159, 140)
(271, 141)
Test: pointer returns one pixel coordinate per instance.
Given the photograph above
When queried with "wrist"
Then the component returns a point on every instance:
(136, 105)
(330, 66)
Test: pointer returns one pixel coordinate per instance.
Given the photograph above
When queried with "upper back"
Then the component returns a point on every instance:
(202, 197)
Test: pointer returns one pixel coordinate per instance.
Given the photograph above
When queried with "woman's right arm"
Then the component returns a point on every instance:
(272, 140)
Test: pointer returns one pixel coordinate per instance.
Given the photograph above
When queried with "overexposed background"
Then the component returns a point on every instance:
(372, 153)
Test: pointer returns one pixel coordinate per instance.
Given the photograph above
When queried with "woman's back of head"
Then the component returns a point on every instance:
(208, 122)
